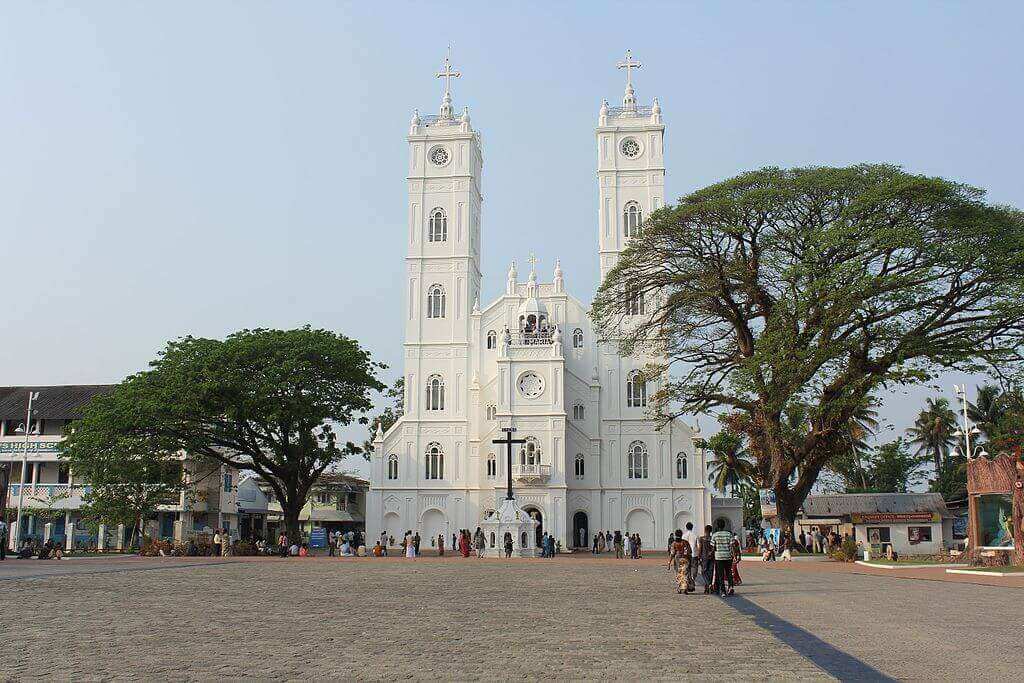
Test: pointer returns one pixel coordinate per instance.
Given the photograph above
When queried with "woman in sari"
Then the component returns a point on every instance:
(464, 543)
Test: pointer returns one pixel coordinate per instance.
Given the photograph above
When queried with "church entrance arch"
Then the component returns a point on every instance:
(580, 530)
(641, 522)
(393, 526)
(535, 513)
(680, 522)
(432, 523)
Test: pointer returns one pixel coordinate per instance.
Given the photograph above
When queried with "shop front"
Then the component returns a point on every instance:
(995, 491)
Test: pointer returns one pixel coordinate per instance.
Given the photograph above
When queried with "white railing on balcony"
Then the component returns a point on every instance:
(539, 338)
(48, 490)
(531, 471)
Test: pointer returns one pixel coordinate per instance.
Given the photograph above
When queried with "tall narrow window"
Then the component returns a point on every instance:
(681, 466)
(636, 390)
(635, 300)
(435, 393)
(435, 461)
(438, 229)
(492, 412)
(435, 301)
(631, 220)
(492, 339)
(637, 468)
(492, 466)
(392, 466)
(577, 411)
(577, 338)
(579, 466)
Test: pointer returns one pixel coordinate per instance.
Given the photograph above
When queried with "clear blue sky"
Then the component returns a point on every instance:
(200, 167)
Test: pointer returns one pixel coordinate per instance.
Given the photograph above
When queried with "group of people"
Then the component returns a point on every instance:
(714, 557)
(48, 550)
(462, 542)
(623, 545)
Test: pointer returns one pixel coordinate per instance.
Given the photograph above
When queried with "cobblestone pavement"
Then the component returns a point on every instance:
(455, 618)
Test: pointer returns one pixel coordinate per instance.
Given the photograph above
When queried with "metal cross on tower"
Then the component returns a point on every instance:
(508, 441)
(629, 65)
(533, 262)
(448, 74)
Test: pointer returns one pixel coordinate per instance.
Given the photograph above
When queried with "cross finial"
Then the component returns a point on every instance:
(448, 74)
(629, 65)
(533, 262)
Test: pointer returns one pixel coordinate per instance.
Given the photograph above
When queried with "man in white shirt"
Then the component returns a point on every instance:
(691, 537)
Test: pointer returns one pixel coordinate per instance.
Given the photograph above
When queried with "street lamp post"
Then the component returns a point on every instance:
(967, 430)
(27, 428)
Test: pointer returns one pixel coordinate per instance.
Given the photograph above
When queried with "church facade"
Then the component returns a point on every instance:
(592, 457)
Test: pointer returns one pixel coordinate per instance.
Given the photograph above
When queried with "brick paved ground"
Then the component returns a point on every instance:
(446, 618)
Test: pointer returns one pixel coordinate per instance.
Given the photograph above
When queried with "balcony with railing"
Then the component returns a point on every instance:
(531, 473)
(56, 496)
(544, 337)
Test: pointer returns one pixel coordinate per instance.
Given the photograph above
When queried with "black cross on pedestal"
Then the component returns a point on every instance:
(508, 441)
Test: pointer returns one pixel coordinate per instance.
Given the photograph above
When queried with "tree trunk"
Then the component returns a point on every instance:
(291, 521)
(785, 508)
(1017, 521)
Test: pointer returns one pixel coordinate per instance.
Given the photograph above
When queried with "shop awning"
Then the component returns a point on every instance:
(827, 521)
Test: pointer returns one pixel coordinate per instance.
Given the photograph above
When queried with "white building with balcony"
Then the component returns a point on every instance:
(49, 492)
(593, 458)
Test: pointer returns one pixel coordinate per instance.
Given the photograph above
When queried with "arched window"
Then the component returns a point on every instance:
(681, 466)
(438, 229)
(492, 466)
(529, 452)
(435, 461)
(492, 339)
(492, 412)
(392, 466)
(636, 390)
(579, 466)
(631, 220)
(637, 468)
(435, 301)
(435, 393)
(577, 338)
(577, 411)
(635, 300)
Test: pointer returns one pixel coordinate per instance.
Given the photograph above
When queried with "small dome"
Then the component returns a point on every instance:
(534, 306)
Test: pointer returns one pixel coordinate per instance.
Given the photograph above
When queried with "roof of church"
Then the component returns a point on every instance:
(63, 402)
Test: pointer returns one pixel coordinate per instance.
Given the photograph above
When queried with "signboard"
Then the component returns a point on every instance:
(33, 446)
(768, 505)
(894, 517)
(318, 538)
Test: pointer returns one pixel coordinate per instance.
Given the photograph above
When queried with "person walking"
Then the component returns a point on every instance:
(627, 546)
(217, 541)
(786, 554)
(416, 542)
(464, 543)
(3, 539)
(682, 559)
(617, 543)
(410, 547)
(508, 545)
(721, 540)
(690, 536)
(480, 542)
(736, 555)
(440, 545)
(706, 559)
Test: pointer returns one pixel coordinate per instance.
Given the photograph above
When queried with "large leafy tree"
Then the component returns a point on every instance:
(268, 401)
(128, 478)
(817, 287)
(729, 466)
(391, 414)
(932, 431)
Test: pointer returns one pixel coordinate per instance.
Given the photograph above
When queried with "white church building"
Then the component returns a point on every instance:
(593, 458)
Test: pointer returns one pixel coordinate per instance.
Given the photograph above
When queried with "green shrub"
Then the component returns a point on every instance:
(846, 552)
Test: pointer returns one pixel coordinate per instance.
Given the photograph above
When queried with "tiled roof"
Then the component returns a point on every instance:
(867, 503)
(54, 403)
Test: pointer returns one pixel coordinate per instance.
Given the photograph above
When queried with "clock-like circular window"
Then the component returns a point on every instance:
(439, 156)
(531, 385)
(630, 148)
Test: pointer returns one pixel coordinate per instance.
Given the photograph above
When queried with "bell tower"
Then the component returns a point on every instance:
(630, 168)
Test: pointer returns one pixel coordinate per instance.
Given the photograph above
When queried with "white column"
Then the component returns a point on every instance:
(101, 538)
(69, 536)
(120, 537)
(47, 531)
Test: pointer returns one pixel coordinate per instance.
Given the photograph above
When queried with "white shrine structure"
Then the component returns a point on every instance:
(593, 459)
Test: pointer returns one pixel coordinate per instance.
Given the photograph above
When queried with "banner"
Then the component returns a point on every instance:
(768, 505)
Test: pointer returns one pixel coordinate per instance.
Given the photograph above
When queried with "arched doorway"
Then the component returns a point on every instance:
(580, 530)
(680, 521)
(393, 526)
(536, 514)
(639, 521)
(433, 523)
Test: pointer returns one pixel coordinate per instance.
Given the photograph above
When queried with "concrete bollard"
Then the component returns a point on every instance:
(47, 531)
(69, 536)
(120, 537)
(101, 538)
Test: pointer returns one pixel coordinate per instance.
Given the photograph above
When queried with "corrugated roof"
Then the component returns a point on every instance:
(62, 402)
(867, 503)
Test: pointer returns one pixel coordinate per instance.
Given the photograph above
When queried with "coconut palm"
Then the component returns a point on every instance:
(988, 410)
(933, 429)
(850, 465)
(730, 465)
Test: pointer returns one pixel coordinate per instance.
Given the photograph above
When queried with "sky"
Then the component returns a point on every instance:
(202, 167)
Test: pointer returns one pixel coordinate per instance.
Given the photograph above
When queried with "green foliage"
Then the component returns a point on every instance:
(846, 552)
(999, 413)
(729, 465)
(262, 400)
(389, 416)
(932, 431)
(751, 506)
(806, 291)
(951, 479)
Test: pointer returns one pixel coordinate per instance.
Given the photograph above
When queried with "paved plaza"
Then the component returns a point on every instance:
(455, 618)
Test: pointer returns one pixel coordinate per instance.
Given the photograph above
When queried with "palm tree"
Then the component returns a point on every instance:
(932, 432)
(730, 466)
(863, 425)
(988, 410)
